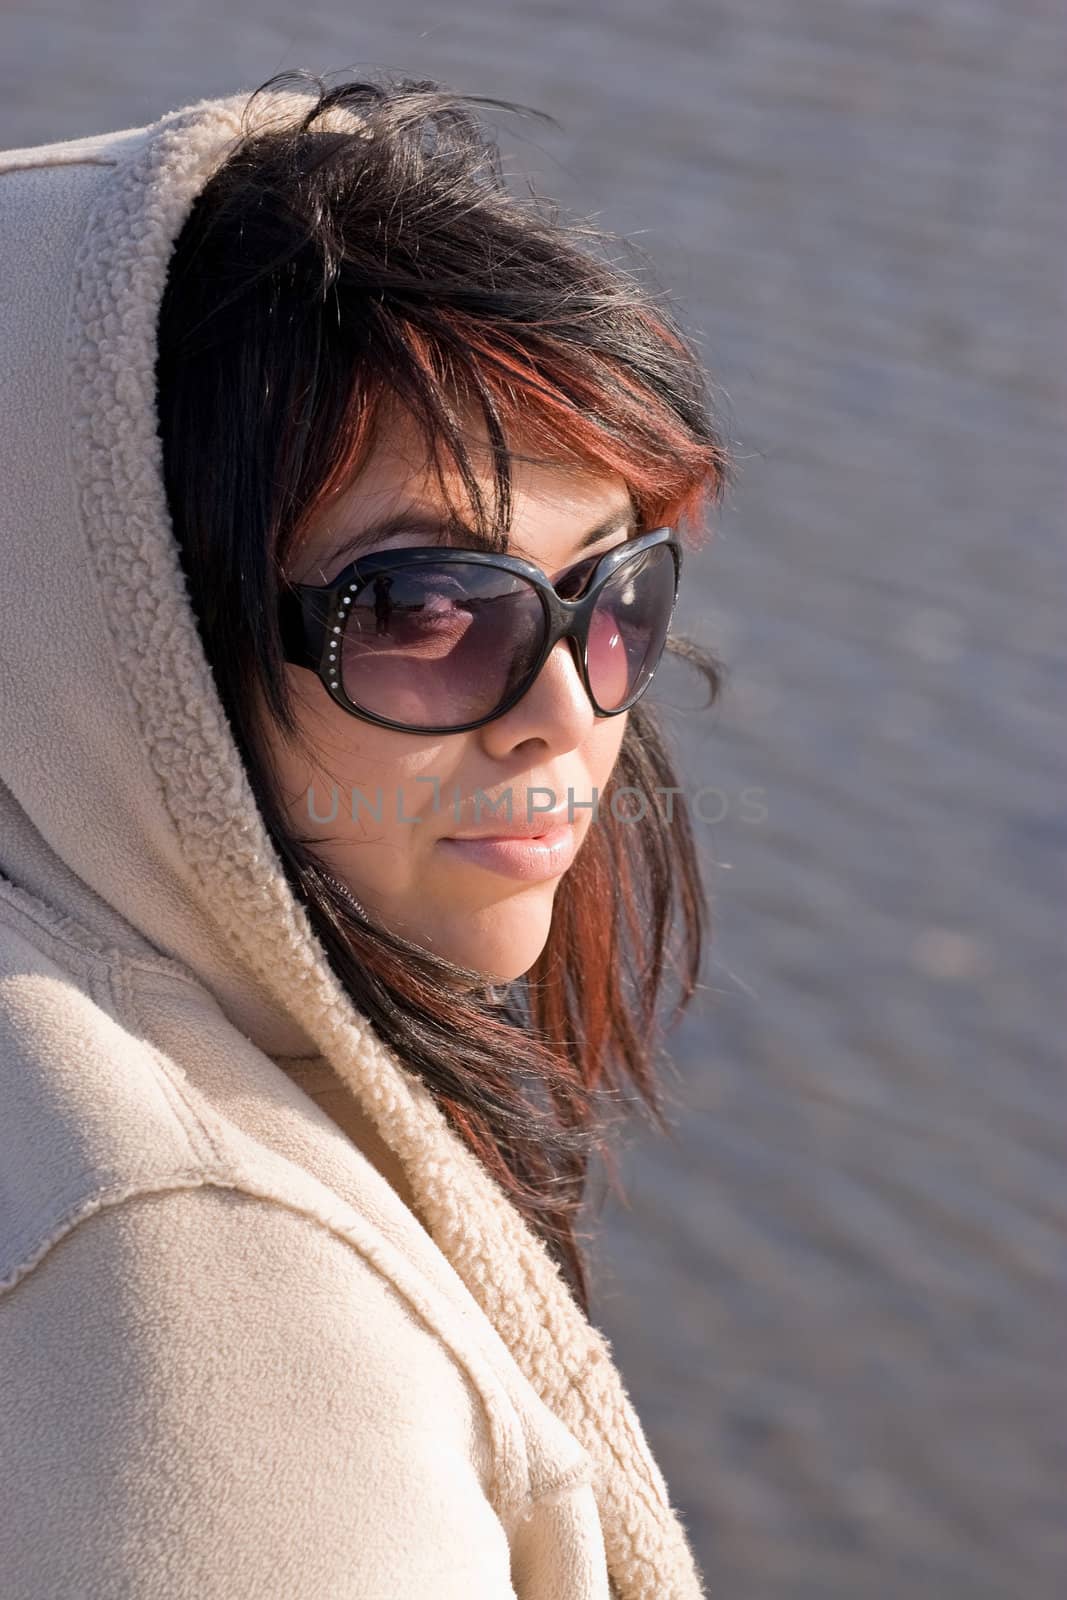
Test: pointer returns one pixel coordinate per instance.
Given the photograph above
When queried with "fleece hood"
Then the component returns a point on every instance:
(124, 805)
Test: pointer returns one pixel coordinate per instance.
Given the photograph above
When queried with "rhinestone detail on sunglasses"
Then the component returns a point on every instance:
(438, 640)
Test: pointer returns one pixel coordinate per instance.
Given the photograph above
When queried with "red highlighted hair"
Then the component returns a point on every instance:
(323, 277)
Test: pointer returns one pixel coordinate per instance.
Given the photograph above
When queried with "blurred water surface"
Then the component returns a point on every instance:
(837, 1297)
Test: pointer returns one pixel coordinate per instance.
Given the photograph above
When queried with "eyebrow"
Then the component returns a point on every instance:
(444, 529)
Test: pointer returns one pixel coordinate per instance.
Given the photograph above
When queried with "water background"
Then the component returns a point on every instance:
(837, 1298)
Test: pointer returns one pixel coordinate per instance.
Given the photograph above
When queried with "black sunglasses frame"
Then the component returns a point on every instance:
(312, 618)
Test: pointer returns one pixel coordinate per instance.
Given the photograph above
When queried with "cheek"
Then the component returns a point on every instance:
(330, 747)
(368, 784)
(601, 749)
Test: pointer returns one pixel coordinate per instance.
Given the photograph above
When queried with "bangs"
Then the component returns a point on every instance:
(543, 402)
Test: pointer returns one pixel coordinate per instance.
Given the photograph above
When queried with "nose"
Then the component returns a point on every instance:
(555, 710)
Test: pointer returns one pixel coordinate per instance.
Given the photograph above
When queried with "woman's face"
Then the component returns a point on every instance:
(481, 905)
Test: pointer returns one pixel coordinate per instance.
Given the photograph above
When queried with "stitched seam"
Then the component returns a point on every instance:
(503, 1496)
(7, 167)
(74, 936)
(88, 1205)
(505, 1491)
(111, 978)
(578, 1477)
(191, 1122)
(56, 927)
(110, 987)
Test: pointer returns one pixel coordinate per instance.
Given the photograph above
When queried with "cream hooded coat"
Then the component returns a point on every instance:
(234, 1363)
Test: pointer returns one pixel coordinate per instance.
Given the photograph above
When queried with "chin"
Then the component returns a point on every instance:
(503, 941)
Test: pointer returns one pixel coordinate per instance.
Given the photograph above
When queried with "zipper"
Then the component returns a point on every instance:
(494, 993)
(346, 891)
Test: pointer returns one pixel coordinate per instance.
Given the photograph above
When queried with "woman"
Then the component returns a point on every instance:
(346, 503)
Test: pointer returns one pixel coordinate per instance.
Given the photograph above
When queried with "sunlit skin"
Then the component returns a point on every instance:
(402, 871)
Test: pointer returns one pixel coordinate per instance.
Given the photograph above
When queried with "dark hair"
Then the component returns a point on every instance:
(323, 271)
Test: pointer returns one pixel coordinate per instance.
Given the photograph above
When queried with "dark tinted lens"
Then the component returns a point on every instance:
(629, 627)
(439, 645)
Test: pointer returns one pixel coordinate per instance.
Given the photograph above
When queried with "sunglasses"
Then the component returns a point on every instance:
(442, 640)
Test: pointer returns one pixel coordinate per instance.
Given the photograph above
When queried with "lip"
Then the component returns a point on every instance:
(517, 854)
(533, 827)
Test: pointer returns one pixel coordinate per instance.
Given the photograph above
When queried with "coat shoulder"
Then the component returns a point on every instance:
(214, 1396)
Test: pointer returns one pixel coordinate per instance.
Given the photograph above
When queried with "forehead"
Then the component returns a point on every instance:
(552, 500)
